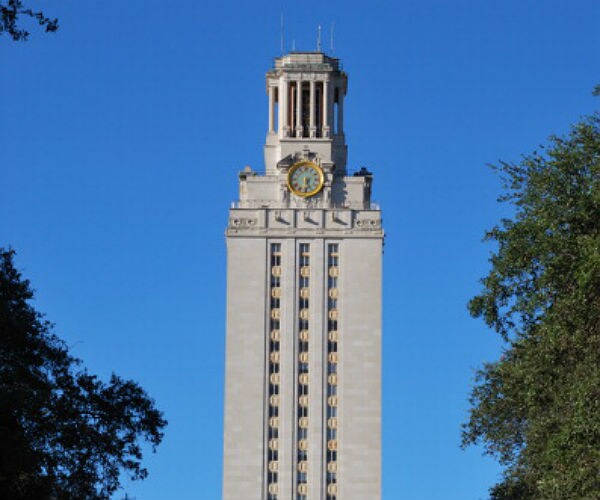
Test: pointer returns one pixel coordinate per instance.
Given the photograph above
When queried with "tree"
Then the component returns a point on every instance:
(64, 434)
(537, 409)
(12, 11)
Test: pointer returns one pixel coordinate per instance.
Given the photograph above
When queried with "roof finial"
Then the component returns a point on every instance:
(319, 38)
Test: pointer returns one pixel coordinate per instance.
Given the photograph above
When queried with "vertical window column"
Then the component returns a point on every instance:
(302, 387)
(331, 423)
(273, 370)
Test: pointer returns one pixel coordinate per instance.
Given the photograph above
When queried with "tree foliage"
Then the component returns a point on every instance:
(537, 409)
(13, 11)
(64, 433)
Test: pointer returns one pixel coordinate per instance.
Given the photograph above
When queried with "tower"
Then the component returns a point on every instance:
(303, 353)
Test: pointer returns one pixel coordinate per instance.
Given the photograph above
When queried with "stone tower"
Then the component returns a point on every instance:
(304, 249)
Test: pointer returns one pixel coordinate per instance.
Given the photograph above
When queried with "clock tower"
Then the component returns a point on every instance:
(303, 353)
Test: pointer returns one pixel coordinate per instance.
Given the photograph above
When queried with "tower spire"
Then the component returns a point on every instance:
(319, 39)
(331, 37)
(282, 36)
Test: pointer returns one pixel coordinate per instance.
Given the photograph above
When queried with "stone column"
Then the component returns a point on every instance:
(271, 108)
(283, 94)
(299, 108)
(313, 128)
(325, 108)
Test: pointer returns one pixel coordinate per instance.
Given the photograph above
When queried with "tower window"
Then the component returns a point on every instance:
(319, 108)
(273, 369)
(276, 110)
(305, 109)
(302, 386)
(331, 401)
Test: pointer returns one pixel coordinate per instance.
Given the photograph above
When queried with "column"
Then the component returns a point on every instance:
(271, 108)
(283, 97)
(325, 108)
(299, 108)
(313, 129)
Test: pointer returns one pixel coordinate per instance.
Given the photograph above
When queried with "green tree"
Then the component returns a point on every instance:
(13, 11)
(64, 434)
(537, 409)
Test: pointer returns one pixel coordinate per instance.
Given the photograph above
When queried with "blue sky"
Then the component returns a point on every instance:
(120, 141)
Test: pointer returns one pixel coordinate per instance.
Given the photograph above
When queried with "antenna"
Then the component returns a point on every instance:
(331, 34)
(319, 38)
(282, 36)
(294, 45)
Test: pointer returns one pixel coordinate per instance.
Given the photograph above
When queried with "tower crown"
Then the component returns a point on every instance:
(306, 101)
(311, 61)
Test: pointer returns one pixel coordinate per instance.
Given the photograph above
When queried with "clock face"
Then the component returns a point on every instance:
(305, 179)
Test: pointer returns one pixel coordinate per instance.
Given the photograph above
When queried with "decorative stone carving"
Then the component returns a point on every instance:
(368, 223)
(241, 222)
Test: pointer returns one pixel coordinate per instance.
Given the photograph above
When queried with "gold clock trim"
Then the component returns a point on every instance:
(312, 165)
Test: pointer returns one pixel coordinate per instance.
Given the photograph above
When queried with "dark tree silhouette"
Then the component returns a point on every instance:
(64, 434)
(11, 14)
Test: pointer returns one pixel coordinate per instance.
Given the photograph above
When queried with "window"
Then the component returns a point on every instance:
(302, 387)
(333, 335)
(273, 369)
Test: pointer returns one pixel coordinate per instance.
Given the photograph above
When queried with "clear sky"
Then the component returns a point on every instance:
(120, 141)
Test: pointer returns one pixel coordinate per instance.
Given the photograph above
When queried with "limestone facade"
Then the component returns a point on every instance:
(303, 346)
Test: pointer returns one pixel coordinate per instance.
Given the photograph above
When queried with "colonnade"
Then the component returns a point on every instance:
(305, 108)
